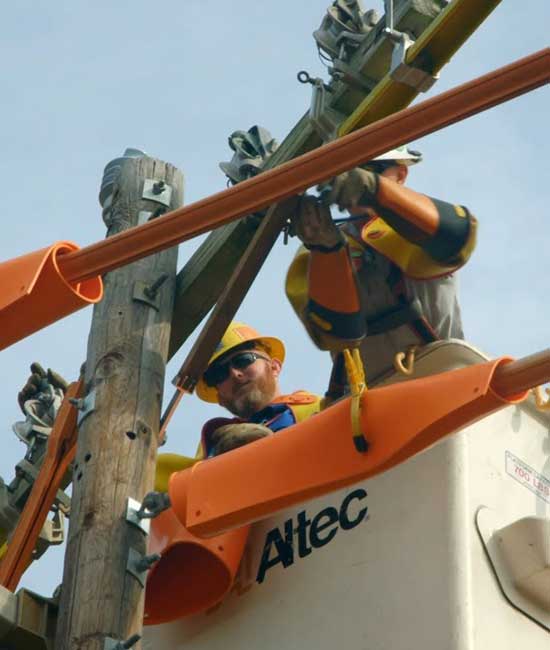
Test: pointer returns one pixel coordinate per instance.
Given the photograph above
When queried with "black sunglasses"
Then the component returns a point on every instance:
(379, 166)
(219, 372)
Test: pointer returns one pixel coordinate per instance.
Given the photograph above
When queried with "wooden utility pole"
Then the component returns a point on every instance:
(102, 596)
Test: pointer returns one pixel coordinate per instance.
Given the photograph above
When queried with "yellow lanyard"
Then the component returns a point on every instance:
(358, 385)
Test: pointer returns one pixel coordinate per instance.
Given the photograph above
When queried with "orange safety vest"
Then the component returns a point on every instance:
(303, 404)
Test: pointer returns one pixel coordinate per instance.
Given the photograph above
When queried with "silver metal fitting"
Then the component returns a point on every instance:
(113, 644)
(85, 405)
(132, 509)
(148, 294)
(141, 294)
(159, 187)
(138, 564)
(400, 70)
(324, 119)
(158, 191)
(153, 504)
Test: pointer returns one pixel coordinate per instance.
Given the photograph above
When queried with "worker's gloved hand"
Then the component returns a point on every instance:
(356, 188)
(313, 225)
(38, 383)
(232, 436)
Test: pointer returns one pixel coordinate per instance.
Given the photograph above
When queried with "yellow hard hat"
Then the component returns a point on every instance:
(235, 335)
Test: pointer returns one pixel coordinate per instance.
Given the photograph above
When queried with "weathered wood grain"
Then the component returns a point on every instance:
(127, 351)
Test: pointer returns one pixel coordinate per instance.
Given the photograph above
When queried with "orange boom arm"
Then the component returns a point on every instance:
(291, 178)
(317, 456)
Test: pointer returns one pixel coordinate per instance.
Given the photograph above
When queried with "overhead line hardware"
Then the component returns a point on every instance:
(309, 169)
(113, 644)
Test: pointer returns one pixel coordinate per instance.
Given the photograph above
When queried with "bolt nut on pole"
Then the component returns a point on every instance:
(147, 562)
(85, 405)
(153, 504)
(132, 509)
(113, 644)
(151, 291)
(158, 188)
(137, 565)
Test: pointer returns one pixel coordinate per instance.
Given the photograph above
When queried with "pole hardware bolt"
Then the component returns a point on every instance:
(153, 504)
(157, 191)
(132, 509)
(159, 187)
(137, 565)
(162, 209)
(147, 562)
(113, 644)
(151, 291)
(85, 405)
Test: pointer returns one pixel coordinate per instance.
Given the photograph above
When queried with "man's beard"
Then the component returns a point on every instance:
(253, 397)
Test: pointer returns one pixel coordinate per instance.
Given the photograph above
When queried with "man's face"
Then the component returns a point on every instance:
(248, 390)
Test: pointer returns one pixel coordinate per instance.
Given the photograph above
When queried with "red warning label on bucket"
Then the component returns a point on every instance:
(527, 476)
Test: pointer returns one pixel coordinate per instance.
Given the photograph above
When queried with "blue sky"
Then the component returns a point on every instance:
(82, 81)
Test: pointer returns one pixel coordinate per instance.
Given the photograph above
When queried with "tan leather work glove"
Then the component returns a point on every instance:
(232, 436)
(36, 383)
(357, 187)
(313, 225)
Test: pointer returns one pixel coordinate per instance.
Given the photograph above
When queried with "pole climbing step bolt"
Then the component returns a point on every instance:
(138, 564)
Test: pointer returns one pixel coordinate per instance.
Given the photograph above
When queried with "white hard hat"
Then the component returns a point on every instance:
(402, 155)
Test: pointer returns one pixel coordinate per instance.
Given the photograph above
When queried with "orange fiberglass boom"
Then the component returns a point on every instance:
(28, 304)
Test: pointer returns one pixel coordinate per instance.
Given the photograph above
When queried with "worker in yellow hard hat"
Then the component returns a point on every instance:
(243, 376)
(381, 278)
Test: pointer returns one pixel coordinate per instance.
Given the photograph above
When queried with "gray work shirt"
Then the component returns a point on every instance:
(438, 298)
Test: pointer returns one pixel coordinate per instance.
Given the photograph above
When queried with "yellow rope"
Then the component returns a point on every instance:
(358, 385)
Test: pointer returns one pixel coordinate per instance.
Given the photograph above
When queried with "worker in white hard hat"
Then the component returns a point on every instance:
(383, 277)
(243, 376)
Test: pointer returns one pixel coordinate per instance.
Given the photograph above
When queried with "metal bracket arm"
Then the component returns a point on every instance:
(400, 70)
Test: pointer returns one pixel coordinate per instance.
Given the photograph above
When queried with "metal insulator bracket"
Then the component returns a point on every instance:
(324, 119)
(158, 191)
(400, 70)
(345, 73)
(85, 406)
(133, 507)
